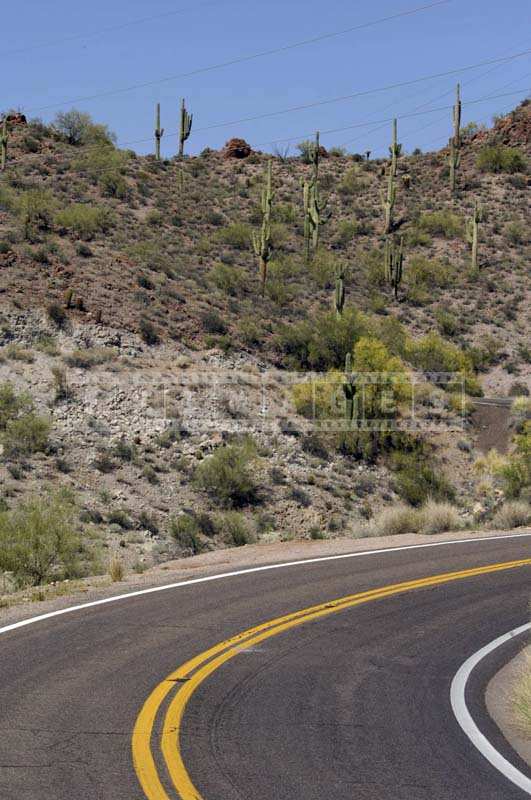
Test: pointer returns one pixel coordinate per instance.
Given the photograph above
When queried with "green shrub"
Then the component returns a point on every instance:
(148, 332)
(416, 481)
(496, 158)
(226, 476)
(424, 273)
(105, 166)
(516, 233)
(213, 322)
(38, 540)
(186, 532)
(237, 235)
(324, 267)
(22, 431)
(26, 435)
(447, 323)
(91, 357)
(36, 209)
(352, 183)
(347, 229)
(13, 405)
(234, 528)
(441, 223)
(228, 279)
(120, 517)
(432, 353)
(83, 220)
(323, 342)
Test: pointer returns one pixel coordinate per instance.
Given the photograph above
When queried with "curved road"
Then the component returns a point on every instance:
(354, 704)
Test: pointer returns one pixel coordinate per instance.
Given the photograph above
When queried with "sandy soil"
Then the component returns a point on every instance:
(499, 697)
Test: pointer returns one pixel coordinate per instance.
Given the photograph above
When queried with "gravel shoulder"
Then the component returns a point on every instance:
(51, 598)
(499, 701)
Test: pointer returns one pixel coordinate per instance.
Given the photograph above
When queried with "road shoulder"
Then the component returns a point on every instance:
(499, 700)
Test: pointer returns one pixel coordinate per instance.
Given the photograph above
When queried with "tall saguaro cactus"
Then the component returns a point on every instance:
(472, 230)
(389, 200)
(394, 262)
(455, 142)
(339, 294)
(349, 390)
(316, 215)
(159, 133)
(185, 127)
(315, 156)
(4, 137)
(262, 239)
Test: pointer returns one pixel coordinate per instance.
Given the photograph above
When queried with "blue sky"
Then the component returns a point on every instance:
(48, 72)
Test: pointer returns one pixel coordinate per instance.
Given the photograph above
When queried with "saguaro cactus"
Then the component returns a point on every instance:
(472, 230)
(3, 145)
(185, 128)
(394, 262)
(349, 389)
(389, 200)
(314, 155)
(159, 133)
(262, 239)
(455, 142)
(339, 294)
(316, 215)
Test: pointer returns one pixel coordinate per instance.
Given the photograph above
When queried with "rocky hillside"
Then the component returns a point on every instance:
(128, 285)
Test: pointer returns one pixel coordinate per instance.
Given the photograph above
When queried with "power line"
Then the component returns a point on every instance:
(440, 97)
(105, 170)
(364, 93)
(111, 29)
(434, 122)
(243, 59)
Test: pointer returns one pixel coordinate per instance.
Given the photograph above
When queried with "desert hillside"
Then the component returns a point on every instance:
(162, 397)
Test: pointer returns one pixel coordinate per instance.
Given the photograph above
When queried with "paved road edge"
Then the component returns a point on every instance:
(464, 718)
(246, 571)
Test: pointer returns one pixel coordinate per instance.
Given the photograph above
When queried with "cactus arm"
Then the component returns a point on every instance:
(4, 137)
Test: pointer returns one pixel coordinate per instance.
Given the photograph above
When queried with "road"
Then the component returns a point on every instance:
(353, 704)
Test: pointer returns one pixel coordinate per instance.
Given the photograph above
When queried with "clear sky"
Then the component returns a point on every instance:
(55, 52)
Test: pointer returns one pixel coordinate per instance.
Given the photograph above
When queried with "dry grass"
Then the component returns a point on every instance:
(433, 517)
(394, 521)
(439, 518)
(522, 700)
(513, 514)
(116, 569)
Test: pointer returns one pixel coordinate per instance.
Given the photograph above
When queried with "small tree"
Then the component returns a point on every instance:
(78, 128)
(38, 541)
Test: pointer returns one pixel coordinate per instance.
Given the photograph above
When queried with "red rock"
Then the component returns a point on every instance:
(237, 148)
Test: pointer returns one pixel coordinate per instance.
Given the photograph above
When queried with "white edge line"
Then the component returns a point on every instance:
(464, 718)
(221, 576)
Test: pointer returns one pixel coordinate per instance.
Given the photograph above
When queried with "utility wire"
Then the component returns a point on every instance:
(364, 93)
(105, 170)
(246, 58)
(435, 99)
(111, 29)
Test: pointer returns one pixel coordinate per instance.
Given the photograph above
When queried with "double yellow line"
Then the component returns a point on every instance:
(193, 673)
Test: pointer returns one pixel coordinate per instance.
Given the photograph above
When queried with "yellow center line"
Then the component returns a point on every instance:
(195, 671)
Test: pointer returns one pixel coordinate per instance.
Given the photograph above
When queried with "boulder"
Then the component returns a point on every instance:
(237, 148)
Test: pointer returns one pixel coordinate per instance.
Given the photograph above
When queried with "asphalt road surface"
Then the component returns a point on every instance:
(354, 705)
